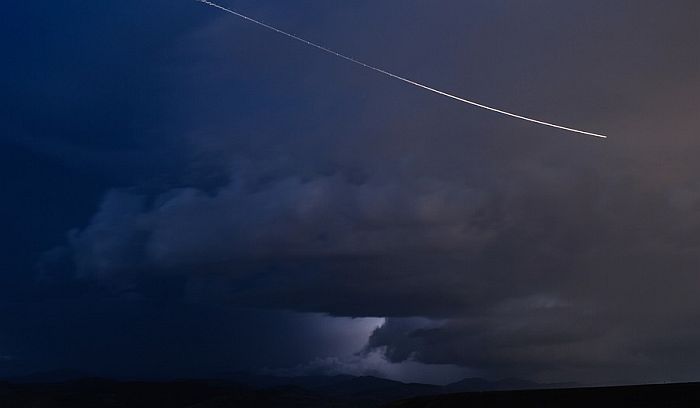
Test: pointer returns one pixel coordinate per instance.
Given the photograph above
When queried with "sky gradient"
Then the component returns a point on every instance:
(187, 194)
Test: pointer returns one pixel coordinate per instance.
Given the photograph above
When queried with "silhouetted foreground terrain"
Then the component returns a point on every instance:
(67, 388)
(190, 394)
(640, 396)
(242, 391)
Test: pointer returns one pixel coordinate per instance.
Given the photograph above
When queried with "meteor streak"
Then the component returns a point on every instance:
(400, 78)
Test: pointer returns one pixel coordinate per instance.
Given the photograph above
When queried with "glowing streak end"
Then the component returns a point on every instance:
(389, 74)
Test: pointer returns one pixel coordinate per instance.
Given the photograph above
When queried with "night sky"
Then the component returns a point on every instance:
(185, 194)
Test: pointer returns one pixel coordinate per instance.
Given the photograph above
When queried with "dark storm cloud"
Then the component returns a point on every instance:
(522, 251)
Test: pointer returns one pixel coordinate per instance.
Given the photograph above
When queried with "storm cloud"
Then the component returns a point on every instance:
(306, 185)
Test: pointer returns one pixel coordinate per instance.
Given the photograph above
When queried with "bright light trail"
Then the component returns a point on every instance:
(400, 78)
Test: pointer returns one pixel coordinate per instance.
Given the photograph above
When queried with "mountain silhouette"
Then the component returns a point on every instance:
(67, 388)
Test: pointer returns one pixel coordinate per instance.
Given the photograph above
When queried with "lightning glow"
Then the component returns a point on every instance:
(400, 78)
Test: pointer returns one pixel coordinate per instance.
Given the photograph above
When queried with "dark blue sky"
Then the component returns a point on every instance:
(186, 194)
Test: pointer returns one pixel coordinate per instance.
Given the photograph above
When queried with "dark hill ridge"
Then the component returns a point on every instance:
(237, 390)
(331, 392)
(639, 396)
(350, 384)
(378, 389)
(97, 393)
